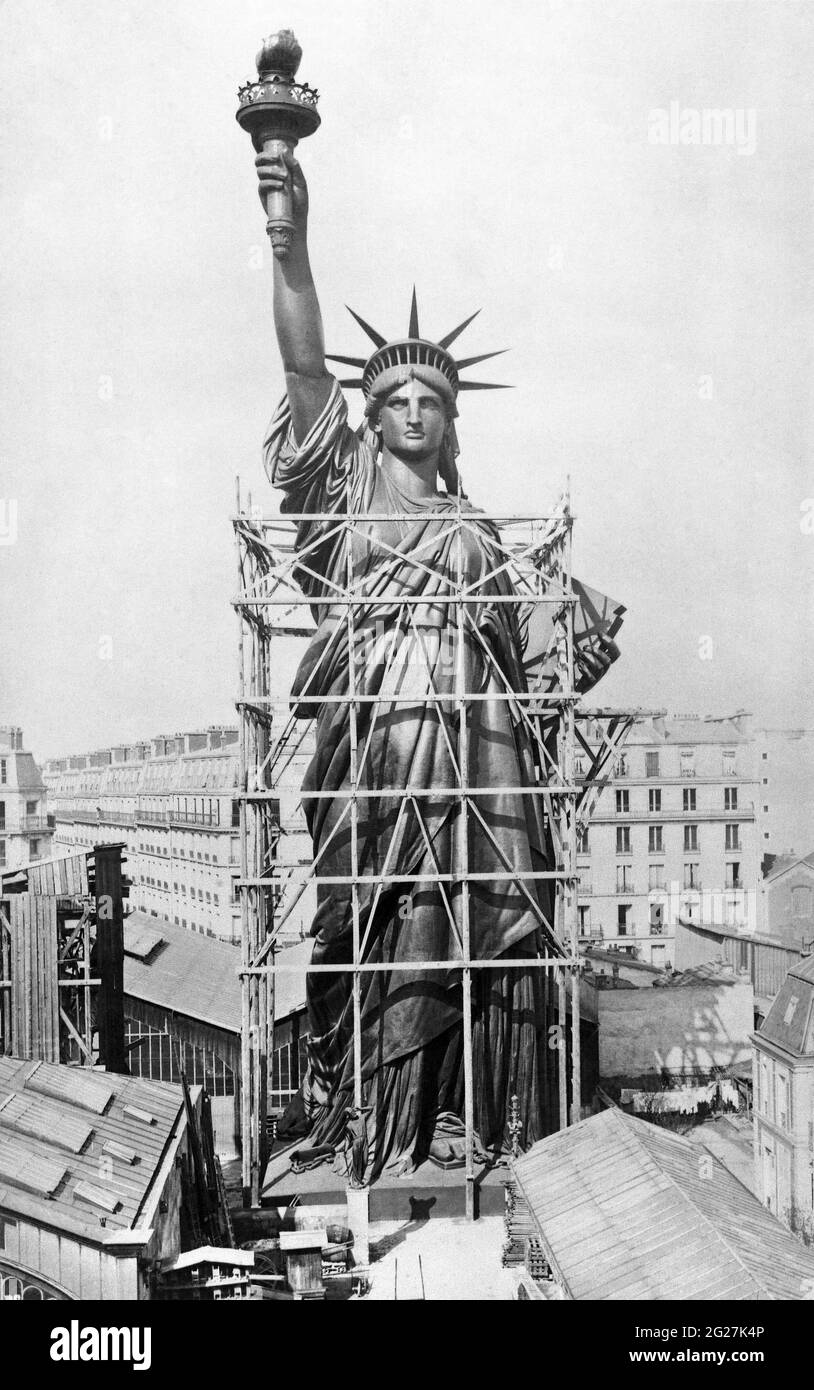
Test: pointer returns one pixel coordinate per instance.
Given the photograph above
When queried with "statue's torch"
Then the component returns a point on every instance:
(277, 111)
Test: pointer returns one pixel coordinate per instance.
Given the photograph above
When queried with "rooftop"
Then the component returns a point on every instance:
(784, 862)
(624, 1214)
(173, 968)
(790, 1020)
(62, 1127)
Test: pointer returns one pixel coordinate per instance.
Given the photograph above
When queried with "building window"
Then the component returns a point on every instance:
(730, 798)
(623, 918)
(733, 875)
(651, 764)
(657, 919)
(654, 839)
(731, 840)
(582, 839)
(34, 849)
(622, 765)
(2, 815)
(782, 1100)
(622, 802)
(728, 760)
(656, 876)
(689, 795)
(3, 771)
(584, 921)
(623, 878)
(623, 839)
(691, 837)
(2, 853)
(687, 756)
(692, 875)
(654, 799)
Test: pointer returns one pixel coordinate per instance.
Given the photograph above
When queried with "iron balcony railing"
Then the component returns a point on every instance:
(36, 824)
(195, 817)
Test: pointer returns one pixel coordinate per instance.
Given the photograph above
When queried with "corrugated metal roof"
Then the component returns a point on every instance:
(196, 975)
(49, 1179)
(626, 1211)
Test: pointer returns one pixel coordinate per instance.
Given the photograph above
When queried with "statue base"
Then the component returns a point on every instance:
(427, 1192)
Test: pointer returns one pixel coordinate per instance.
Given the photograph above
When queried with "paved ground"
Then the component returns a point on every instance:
(454, 1258)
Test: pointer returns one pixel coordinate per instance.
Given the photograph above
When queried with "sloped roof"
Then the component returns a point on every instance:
(62, 1127)
(710, 972)
(790, 1020)
(174, 968)
(624, 1212)
(624, 962)
(784, 862)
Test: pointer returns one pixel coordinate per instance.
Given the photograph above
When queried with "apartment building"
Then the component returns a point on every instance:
(172, 801)
(26, 828)
(673, 837)
(783, 1115)
(785, 760)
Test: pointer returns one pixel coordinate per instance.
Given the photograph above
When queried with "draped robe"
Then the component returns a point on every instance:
(411, 1035)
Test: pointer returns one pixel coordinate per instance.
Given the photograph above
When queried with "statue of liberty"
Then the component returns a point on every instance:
(401, 463)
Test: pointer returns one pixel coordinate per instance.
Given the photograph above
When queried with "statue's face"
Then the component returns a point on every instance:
(413, 420)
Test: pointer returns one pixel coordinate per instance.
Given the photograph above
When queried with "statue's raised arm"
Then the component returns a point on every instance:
(297, 316)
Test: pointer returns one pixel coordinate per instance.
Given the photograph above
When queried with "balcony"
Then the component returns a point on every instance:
(37, 825)
(624, 890)
(152, 817)
(195, 817)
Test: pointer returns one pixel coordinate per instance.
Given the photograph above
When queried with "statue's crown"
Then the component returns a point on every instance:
(414, 351)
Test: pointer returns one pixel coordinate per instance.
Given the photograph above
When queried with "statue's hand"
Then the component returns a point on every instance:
(275, 172)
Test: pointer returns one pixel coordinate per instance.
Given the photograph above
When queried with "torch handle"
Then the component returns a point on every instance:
(280, 205)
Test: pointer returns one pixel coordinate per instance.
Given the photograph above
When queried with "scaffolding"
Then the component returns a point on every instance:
(532, 572)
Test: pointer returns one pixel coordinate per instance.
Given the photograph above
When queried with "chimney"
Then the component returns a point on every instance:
(192, 743)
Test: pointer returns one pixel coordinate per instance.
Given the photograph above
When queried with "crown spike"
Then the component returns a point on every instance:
(456, 332)
(352, 382)
(371, 332)
(412, 331)
(483, 357)
(484, 386)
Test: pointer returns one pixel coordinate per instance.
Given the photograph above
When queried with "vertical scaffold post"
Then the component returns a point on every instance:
(462, 867)
(570, 856)
(354, 812)
(247, 982)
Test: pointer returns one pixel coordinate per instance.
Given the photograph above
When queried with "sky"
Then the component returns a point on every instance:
(656, 298)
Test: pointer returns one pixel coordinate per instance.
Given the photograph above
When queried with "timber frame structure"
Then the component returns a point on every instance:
(62, 959)
(535, 553)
